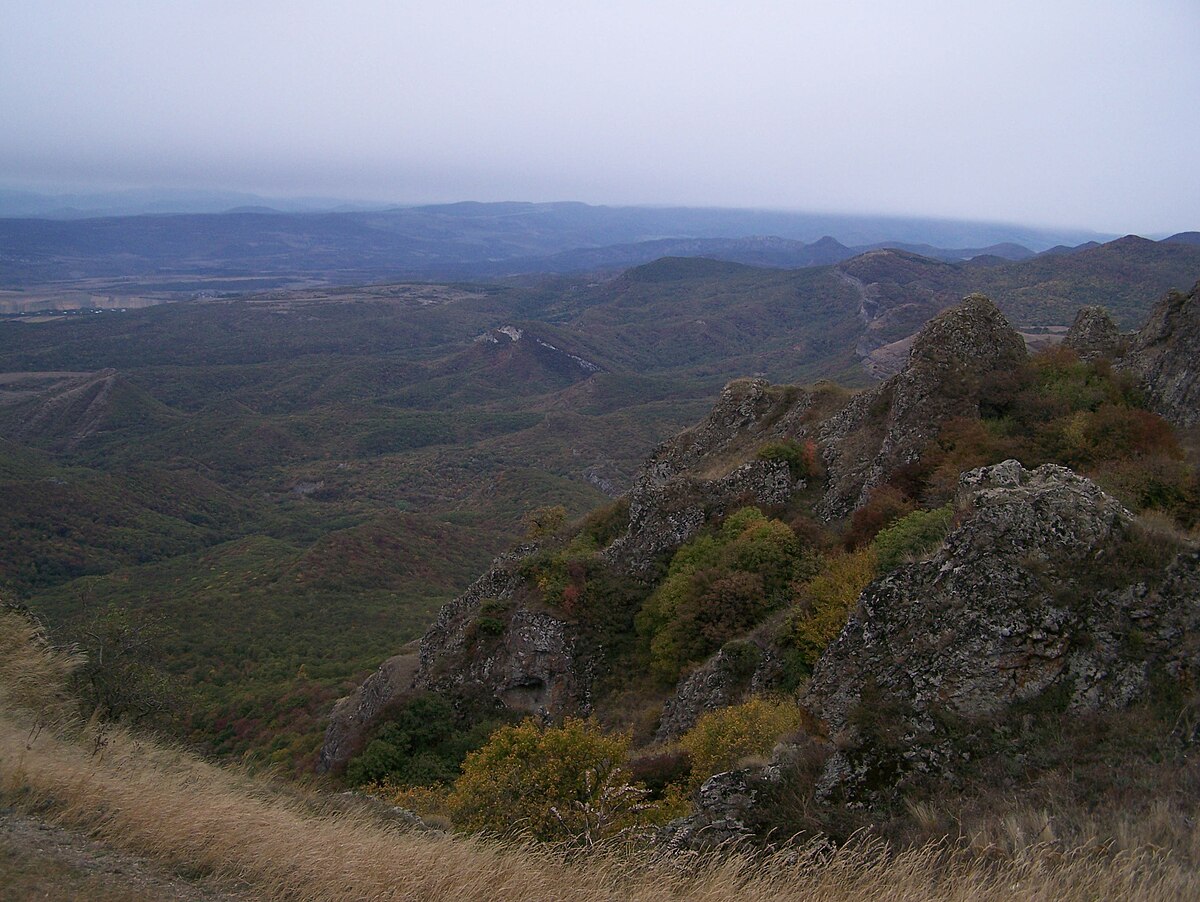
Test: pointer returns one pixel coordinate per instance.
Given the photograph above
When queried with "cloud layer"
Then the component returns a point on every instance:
(1066, 113)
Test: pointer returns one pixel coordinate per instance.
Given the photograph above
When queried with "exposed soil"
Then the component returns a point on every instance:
(39, 860)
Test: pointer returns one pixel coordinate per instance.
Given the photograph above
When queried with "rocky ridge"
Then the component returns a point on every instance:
(927, 635)
(885, 428)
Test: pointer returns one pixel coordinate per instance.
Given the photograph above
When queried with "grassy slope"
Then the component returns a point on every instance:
(225, 826)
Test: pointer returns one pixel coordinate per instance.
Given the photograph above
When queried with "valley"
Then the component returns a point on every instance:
(292, 481)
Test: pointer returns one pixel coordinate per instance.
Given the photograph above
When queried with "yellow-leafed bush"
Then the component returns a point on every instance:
(824, 602)
(552, 783)
(722, 738)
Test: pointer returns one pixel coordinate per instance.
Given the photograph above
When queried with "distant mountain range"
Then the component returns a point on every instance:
(471, 241)
(150, 201)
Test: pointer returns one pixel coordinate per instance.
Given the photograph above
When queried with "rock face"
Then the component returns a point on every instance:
(700, 472)
(353, 714)
(1016, 602)
(1093, 334)
(1166, 357)
(725, 811)
(885, 428)
(750, 667)
(529, 664)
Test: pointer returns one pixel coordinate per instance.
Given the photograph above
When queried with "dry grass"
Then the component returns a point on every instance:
(162, 803)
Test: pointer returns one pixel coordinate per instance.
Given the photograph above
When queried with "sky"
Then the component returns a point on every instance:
(1057, 113)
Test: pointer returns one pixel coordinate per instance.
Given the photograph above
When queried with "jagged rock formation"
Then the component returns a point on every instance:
(531, 666)
(1094, 334)
(885, 428)
(995, 618)
(1166, 357)
(1031, 592)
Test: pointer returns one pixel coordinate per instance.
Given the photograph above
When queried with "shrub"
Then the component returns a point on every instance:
(551, 783)
(885, 505)
(719, 585)
(423, 744)
(912, 535)
(722, 738)
(824, 602)
(122, 677)
(801, 460)
(604, 524)
(544, 521)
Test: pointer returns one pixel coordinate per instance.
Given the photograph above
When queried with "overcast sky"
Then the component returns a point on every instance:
(1057, 113)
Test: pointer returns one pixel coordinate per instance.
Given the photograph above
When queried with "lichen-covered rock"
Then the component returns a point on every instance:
(1165, 356)
(663, 514)
(748, 413)
(1017, 601)
(725, 808)
(885, 428)
(1094, 335)
(530, 664)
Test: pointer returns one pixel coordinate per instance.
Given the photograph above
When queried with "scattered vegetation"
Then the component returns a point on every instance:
(801, 459)
(719, 585)
(232, 830)
(911, 536)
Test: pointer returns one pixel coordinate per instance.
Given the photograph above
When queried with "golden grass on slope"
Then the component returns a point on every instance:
(166, 804)
(33, 675)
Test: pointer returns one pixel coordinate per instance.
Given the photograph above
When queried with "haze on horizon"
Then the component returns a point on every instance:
(1069, 113)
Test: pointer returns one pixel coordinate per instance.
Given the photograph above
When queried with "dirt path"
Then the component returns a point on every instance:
(42, 861)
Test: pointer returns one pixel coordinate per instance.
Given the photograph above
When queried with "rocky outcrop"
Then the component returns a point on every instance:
(748, 413)
(1025, 596)
(739, 670)
(485, 641)
(885, 428)
(1165, 356)
(705, 472)
(1094, 335)
(725, 813)
(353, 715)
